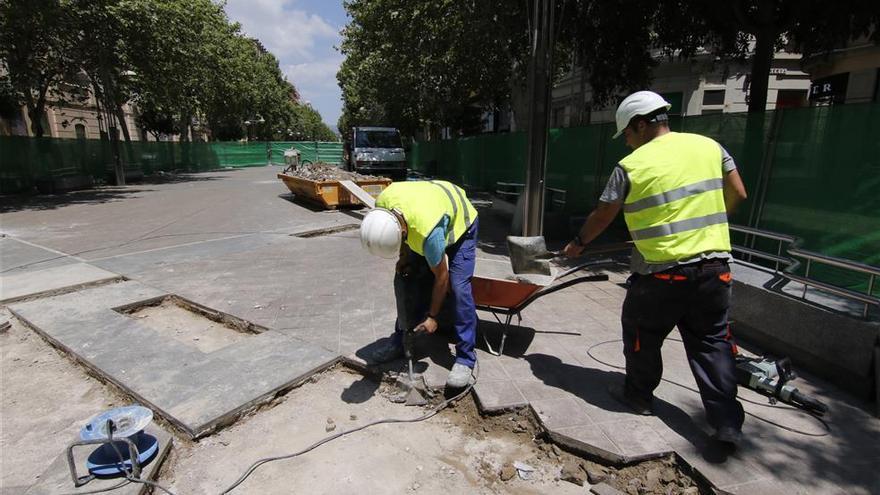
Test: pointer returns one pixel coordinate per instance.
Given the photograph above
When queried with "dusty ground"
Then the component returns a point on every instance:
(44, 401)
(46, 398)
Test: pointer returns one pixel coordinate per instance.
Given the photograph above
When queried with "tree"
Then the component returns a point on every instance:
(35, 54)
(176, 49)
(311, 125)
(424, 65)
(615, 40)
(181, 62)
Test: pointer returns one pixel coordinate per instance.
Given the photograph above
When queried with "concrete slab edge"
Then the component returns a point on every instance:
(238, 324)
(231, 417)
(63, 290)
(95, 372)
(317, 232)
(164, 450)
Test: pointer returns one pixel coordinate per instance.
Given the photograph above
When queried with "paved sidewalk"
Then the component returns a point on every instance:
(227, 241)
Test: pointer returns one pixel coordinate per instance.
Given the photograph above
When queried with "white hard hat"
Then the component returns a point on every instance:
(381, 233)
(638, 103)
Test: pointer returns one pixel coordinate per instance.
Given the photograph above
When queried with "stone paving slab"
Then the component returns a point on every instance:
(195, 391)
(17, 256)
(56, 478)
(18, 286)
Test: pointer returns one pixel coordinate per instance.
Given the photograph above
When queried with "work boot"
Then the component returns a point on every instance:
(638, 406)
(729, 435)
(385, 352)
(459, 376)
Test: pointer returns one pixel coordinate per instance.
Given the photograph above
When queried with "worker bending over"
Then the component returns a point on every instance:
(431, 227)
(676, 191)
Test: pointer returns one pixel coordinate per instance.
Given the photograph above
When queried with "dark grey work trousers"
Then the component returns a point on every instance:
(696, 298)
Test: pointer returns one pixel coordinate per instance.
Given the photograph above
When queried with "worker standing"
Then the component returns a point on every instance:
(431, 227)
(676, 191)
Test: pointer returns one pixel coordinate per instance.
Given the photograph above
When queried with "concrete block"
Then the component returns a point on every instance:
(497, 395)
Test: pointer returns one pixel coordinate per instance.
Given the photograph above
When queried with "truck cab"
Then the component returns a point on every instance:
(377, 151)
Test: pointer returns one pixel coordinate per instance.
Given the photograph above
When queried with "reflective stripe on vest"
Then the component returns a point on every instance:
(467, 217)
(675, 207)
(423, 204)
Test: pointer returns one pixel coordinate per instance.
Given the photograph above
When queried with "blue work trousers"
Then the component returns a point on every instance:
(412, 291)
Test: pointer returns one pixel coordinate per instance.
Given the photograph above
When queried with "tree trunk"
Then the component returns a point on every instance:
(36, 121)
(184, 130)
(764, 40)
(765, 28)
(120, 117)
(35, 110)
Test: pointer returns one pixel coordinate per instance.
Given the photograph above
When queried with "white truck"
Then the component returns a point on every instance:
(376, 151)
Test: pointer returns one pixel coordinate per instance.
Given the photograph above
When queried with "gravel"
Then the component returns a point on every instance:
(324, 171)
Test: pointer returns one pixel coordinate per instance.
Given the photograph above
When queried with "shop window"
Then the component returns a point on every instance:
(713, 97)
(791, 98)
(558, 117)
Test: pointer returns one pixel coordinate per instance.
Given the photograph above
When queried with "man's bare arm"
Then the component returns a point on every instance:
(734, 191)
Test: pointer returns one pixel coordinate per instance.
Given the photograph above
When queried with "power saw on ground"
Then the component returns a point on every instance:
(770, 377)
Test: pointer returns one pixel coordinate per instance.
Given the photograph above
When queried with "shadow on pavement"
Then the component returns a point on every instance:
(95, 195)
(29, 202)
(591, 385)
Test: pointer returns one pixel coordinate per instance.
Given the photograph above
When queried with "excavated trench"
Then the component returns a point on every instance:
(459, 448)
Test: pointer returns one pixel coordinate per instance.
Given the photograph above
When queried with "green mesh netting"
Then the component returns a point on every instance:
(810, 172)
(310, 151)
(25, 160)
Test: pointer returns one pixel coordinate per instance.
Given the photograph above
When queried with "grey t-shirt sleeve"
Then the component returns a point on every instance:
(727, 163)
(617, 187)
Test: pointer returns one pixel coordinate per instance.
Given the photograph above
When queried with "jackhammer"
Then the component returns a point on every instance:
(770, 378)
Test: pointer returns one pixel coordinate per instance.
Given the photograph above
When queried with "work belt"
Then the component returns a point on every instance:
(674, 273)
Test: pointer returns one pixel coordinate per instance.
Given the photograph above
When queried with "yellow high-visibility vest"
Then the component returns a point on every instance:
(675, 206)
(423, 204)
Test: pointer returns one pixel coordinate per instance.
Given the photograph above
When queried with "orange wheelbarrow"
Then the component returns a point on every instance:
(508, 298)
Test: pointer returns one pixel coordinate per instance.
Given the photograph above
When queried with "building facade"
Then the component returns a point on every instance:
(696, 86)
(847, 75)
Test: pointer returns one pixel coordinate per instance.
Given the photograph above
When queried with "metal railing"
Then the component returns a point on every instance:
(792, 263)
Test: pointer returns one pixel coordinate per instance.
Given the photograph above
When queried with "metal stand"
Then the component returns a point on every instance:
(133, 455)
(505, 326)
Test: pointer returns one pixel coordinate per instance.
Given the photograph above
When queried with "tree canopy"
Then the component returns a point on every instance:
(183, 64)
(440, 63)
(420, 65)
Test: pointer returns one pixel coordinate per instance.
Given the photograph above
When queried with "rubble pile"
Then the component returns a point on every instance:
(325, 171)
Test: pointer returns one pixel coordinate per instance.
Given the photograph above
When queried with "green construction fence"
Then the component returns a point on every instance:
(24, 160)
(310, 151)
(810, 172)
